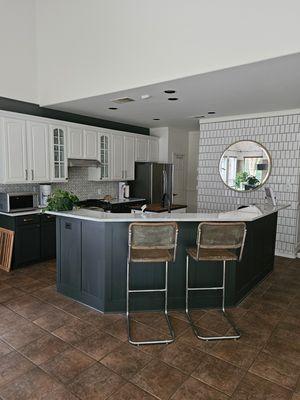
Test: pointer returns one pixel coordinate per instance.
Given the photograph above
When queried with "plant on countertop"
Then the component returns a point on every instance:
(61, 200)
(241, 177)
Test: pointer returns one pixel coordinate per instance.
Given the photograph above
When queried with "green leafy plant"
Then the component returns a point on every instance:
(61, 200)
(252, 180)
(241, 177)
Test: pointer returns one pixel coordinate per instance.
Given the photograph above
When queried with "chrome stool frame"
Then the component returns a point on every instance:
(168, 246)
(237, 243)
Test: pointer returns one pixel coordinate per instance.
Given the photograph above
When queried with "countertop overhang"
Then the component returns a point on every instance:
(245, 214)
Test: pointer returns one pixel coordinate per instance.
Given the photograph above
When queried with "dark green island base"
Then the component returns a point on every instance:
(91, 266)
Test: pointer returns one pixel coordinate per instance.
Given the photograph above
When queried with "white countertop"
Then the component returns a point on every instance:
(246, 214)
(22, 213)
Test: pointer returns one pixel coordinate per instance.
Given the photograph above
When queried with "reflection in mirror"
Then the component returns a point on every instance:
(245, 165)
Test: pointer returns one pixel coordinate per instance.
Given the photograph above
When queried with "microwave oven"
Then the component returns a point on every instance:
(16, 202)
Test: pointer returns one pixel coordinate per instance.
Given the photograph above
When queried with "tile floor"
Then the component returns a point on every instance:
(53, 348)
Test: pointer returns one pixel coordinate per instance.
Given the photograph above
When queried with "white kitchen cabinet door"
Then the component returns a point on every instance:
(15, 153)
(153, 149)
(90, 144)
(141, 148)
(117, 157)
(38, 151)
(75, 142)
(129, 158)
(104, 172)
(58, 162)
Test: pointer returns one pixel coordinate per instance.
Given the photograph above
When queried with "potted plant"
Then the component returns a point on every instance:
(252, 182)
(61, 200)
(240, 178)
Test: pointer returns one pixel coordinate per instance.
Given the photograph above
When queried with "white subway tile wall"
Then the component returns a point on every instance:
(281, 137)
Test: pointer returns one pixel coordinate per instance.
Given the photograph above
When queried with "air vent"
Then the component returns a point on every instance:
(123, 100)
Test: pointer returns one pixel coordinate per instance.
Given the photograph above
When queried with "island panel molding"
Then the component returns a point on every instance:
(280, 135)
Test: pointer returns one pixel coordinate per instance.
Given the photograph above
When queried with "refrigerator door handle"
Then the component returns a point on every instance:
(165, 181)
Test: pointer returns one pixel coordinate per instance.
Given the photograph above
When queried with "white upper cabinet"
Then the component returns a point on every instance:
(129, 157)
(75, 142)
(117, 157)
(104, 172)
(90, 144)
(38, 151)
(141, 148)
(59, 162)
(153, 149)
(14, 151)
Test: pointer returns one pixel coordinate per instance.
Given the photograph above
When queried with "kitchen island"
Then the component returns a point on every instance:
(92, 251)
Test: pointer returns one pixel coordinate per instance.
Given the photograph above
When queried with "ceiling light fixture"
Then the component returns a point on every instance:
(156, 119)
(170, 91)
(211, 112)
(112, 108)
(172, 98)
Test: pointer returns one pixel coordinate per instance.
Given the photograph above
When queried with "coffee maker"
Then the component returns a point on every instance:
(45, 193)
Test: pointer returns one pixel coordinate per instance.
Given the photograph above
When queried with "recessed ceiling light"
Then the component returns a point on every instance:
(170, 91)
(156, 119)
(112, 108)
(211, 112)
(172, 98)
(197, 116)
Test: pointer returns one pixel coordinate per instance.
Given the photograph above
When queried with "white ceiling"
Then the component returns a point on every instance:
(259, 87)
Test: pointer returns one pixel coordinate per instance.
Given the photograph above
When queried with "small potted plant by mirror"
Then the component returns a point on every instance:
(61, 200)
(241, 180)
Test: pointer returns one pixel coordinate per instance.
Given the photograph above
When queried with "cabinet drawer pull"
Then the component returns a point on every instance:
(27, 219)
(68, 225)
(32, 174)
(26, 174)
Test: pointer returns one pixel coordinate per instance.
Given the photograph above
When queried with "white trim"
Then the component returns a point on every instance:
(286, 255)
(249, 116)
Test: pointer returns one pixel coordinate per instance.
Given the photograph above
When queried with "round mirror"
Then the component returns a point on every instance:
(245, 165)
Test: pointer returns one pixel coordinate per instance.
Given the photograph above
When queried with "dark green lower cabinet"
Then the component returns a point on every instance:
(35, 237)
(91, 266)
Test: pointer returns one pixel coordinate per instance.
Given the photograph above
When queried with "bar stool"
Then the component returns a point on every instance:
(151, 243)
(216, 241)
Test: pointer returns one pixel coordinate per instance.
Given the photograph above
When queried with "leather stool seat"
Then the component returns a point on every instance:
(211, 254)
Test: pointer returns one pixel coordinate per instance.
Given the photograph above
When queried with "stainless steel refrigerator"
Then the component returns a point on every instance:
(153, 181)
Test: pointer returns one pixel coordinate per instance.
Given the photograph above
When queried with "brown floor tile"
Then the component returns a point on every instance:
(131, 392)
(268, 312)
(190, 338)
(34, 286)
(157, 321)
(35, 384)
(214, 321)
(159, 379)
(54, 319)
(13, 365)
(100, 320)
(253, 387)
(219, 374)
(22, 335)
(4, 285)
(118, 329)
(67, 365)
(296, 396)
(96, 383)
(182, 356)
(276, 370)
(4, 348)
(79, 310)
(60, 394)
(29, 307)
(234, 352)
(97, 345)
(9, 294)
(285, 345)
(50, 295)
(75, 331)
(9, 320)
(126, 360)
(43, 349)
(192, 389)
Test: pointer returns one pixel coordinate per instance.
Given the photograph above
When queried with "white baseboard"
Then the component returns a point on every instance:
(286, 255)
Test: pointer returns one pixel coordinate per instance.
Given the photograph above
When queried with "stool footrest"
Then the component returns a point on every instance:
(206, 288)
(146, 290)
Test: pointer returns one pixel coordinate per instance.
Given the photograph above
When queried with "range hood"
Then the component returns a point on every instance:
(78, 162)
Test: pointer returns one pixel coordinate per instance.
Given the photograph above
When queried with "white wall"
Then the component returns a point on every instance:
(280, 134)
(92, 47)
(18, 65)
(192, 170)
